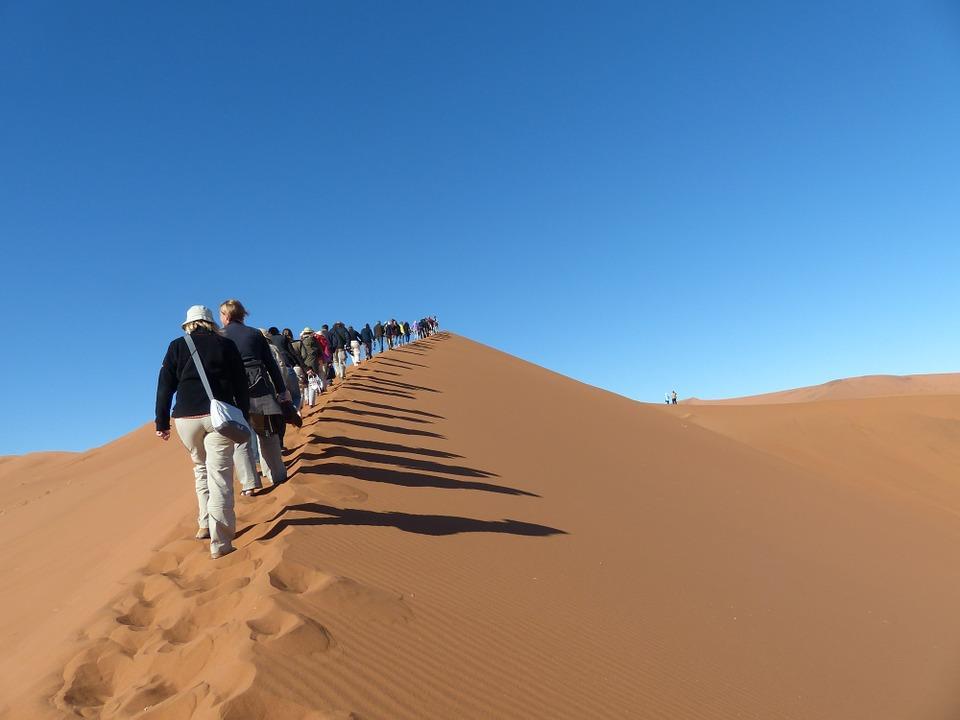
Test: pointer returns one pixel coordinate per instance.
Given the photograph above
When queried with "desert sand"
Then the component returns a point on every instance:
(467, 535)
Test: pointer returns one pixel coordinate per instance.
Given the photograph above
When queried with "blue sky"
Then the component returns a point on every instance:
(722, 198)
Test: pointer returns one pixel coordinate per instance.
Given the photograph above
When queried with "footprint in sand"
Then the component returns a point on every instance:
(162, 563)
(349, 598)
(145, 695)
(88, 677)
(289, 633)
(138, 616)
(221, 576)
(292, 577)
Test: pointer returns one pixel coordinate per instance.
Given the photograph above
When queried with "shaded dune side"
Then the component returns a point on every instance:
(467, 535)
(867, 386)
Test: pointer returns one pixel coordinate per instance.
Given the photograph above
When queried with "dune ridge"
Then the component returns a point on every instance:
(854, 388)
(466, 535)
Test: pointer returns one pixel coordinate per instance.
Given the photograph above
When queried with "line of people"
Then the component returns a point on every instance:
(266, 374)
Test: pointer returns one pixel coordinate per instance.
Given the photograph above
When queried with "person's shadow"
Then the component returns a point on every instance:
(420, 524)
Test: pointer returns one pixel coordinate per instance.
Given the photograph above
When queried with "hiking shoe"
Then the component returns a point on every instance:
(203, 534)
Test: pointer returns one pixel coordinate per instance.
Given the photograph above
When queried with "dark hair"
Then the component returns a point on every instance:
(288, 332)
(273, 331)
(324, 327)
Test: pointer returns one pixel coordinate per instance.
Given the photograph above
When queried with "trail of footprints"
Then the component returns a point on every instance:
(191, 636)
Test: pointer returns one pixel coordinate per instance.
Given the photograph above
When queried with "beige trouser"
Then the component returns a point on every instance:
(246, 463)
(340, 363)
(212, 455)
(271, 458)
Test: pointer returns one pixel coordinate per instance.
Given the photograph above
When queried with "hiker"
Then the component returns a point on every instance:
(211, 452)
(326, 350)
(310, 355)
(378, 334)
(337, 351)
(340, 340)
(326, 356)
(291, 361)
(288, 374)
(267, 391)
(355, 342)
(673, 398)
(366, 337)
(390, 332)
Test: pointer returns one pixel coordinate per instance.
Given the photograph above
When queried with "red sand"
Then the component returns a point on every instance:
(466, 535)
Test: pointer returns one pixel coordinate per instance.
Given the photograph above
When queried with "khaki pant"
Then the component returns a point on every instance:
(212, 455)
(246, 463)
(271, 458)
(340, 363)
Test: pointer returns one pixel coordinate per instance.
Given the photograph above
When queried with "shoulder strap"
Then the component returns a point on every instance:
(199, 363)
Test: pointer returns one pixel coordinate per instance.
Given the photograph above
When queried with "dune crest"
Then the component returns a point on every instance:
(466, 535)
(854, 388)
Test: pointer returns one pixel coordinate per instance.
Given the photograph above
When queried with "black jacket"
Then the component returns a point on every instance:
(334, 340)
(178, 374)
(290, 356)
(255, 350)
(366, 335)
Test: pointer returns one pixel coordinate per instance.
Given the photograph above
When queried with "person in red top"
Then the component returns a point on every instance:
(325, 358)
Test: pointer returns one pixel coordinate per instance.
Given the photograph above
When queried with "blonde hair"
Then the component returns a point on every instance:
(200, 325)
(234, 310)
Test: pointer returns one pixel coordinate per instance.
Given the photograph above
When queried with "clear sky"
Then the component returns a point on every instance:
(722, 198)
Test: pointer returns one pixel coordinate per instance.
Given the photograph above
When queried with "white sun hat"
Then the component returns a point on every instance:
(198, 312)
(306, 331)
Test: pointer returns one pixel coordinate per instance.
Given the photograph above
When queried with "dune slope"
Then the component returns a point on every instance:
(468, 535)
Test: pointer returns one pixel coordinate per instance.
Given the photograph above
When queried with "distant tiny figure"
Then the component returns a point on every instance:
(666, 398)
(673, 398)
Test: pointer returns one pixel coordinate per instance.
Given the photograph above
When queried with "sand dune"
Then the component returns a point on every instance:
(867, 386)
(466, 535)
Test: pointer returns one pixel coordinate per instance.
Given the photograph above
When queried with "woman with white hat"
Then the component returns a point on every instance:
(212, 453)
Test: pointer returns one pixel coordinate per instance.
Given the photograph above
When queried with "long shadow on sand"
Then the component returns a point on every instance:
(398, 460)
(399, 363)
(387, 407)
(355, 385)
(377, 426)
(371, 413)
(404, 478)
(396, 384)
(386, 447)
(420, 524)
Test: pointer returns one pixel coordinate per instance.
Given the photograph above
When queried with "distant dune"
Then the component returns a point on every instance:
(466, 535)
(867, 386)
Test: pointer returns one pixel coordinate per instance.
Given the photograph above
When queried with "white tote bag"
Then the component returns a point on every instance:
(225, 418)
